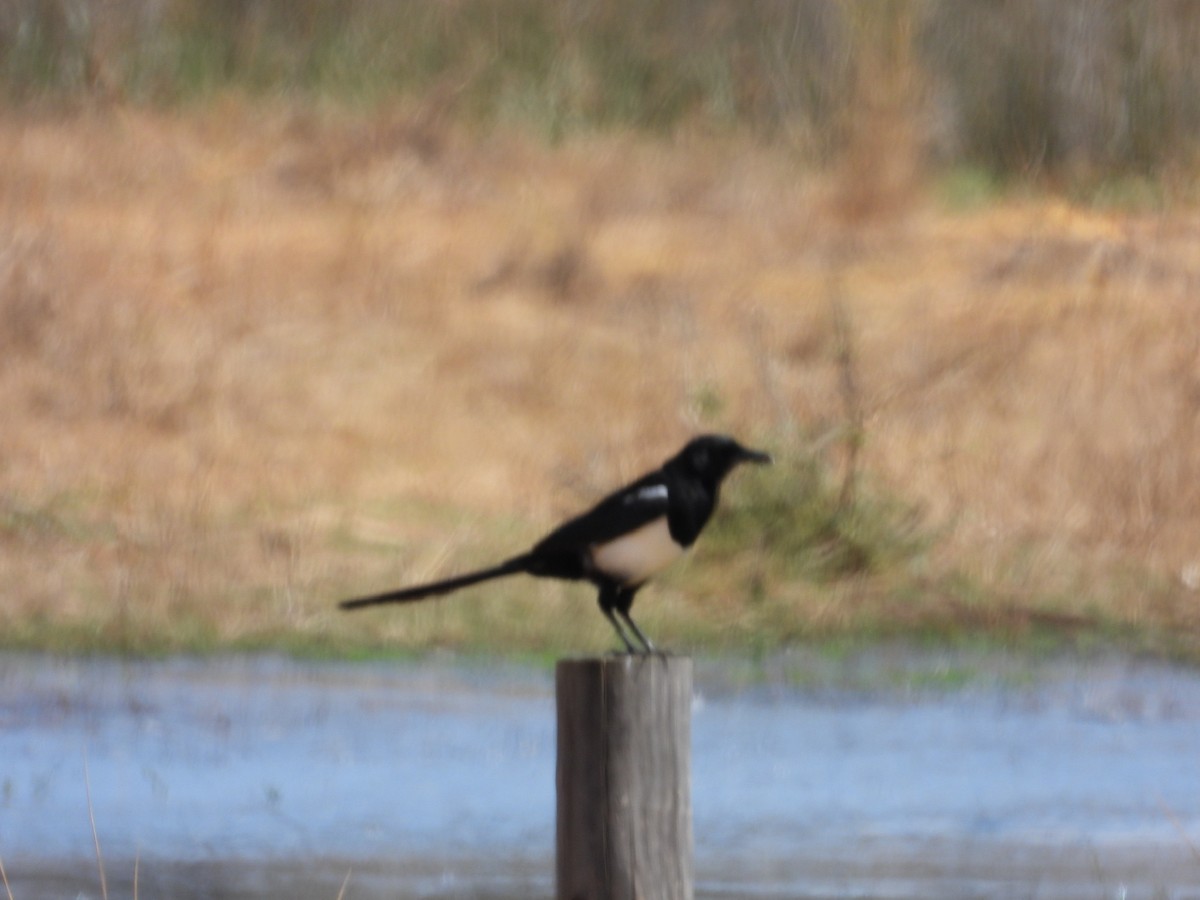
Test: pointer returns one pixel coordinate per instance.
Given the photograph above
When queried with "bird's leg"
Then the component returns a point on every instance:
(624, 602)
(629, 648)
(650, 648)
(608, 601)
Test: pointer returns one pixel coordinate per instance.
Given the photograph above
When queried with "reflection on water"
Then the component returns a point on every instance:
(883, 774)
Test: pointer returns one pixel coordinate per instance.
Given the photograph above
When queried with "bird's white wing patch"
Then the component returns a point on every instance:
(652, 492)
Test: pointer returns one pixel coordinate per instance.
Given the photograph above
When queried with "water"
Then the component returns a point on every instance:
(884, 774)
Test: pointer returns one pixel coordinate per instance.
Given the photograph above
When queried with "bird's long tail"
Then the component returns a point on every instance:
(436, 588)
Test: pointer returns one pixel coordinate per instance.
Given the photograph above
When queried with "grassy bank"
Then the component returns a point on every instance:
(259, 356)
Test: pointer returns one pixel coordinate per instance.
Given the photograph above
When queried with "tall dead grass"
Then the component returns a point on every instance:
(1066, 89)
(255, 357)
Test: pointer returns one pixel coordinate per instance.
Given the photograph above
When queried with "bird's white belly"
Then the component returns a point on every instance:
(636, 556)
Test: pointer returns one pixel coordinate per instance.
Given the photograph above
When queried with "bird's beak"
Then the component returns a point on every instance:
(757, 457)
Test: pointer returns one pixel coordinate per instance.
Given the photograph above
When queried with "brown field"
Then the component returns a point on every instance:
(256, 358)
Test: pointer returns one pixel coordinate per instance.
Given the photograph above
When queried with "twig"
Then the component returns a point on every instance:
(87, 786)
(345, 881)
(767, 377)
(1174, 819)
(4, 875)
(851, 393)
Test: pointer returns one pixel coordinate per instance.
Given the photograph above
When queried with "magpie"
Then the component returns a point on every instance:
(621, 542)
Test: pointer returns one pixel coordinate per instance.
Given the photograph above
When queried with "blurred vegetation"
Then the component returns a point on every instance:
(1017, 88)
(148, 357)
(799, 516)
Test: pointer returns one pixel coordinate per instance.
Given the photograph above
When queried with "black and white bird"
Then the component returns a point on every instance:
(624, 540)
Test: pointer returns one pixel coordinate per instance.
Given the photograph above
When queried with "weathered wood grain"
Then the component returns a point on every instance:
(624, 778)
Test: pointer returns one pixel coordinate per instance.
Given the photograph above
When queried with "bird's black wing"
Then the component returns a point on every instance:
(621, 512)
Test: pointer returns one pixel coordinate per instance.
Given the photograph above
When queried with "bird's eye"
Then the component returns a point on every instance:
(700, 459)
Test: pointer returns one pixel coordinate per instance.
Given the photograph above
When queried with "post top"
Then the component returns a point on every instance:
(624, 662)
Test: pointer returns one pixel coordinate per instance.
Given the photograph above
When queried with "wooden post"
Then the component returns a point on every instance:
(624, 778)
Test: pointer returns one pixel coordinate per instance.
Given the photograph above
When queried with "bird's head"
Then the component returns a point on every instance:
(711, 457)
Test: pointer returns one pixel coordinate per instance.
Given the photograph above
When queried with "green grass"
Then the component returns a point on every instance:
(967, 188)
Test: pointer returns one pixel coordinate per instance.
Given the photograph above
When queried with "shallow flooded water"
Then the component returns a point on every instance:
(887, 773)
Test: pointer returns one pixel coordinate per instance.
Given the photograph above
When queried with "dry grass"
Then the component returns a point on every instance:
(255, 358)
